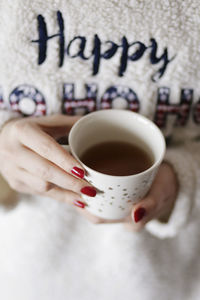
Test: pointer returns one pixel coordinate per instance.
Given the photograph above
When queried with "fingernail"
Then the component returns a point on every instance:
(139, 214)
(89, 191)
(78, 172)
(79, 204)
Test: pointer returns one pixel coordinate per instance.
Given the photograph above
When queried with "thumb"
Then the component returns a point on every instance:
(144, 211)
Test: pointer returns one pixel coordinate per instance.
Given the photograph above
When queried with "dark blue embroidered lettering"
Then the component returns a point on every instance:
(27, 100)
(72, 106)
(196, 113)
(164, 108)
(62, 37)
(43, 38)
(97, 54)
(82, 45)
(109, 53)
(133, 57)
(120, 97)
(155, 60)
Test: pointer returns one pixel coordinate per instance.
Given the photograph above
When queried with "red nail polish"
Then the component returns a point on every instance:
(79, 204)
(89, 191)
(139, 214)
(78, 172)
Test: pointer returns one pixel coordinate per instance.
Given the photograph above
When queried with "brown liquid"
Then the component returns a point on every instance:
(117, 158)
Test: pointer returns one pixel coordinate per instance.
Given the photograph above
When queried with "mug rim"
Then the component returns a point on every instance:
(139, 116)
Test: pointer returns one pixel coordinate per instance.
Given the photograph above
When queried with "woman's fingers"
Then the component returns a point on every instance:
(159, 202)
(142, 212)
(67, 196)
(57, 121)
(34, 163)
(48, 172)
(24, 182)
(35, 184)
(44, 145)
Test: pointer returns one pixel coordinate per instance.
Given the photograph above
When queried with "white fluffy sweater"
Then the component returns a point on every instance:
(76, 56)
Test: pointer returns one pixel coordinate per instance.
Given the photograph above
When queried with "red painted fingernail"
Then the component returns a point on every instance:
(89, 191)
(79, 204)
(78, 172)
(139, 214)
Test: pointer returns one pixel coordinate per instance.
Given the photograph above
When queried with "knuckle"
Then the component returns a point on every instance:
(74, 184)
(20, 126)
(44, 172)
(45, 187)
(17, 126)
(15, 185)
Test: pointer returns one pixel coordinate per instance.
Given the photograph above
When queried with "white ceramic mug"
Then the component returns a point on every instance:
(116, 194)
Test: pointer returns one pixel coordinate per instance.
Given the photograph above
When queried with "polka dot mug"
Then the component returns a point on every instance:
(116, 194)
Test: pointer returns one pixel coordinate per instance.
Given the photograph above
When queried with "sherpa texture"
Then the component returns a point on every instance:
(47, 250)
(186, 168)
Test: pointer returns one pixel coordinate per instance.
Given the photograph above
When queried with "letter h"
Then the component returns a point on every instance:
(164, 107)
(43, 38)
(72, 106)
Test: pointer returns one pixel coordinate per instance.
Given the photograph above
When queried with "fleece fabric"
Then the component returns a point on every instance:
(75, 57)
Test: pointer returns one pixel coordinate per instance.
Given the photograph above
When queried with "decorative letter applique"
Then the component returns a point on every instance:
(120, 97)
(164, 108)
(73, 106)
(27, 100)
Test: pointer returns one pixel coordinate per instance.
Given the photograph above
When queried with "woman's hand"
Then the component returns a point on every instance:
(157, 204)
(34, 163)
